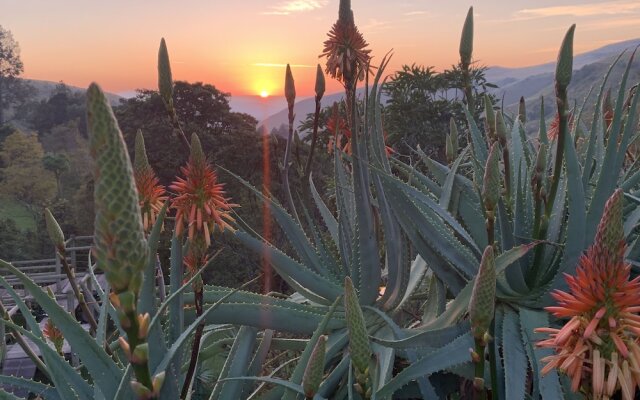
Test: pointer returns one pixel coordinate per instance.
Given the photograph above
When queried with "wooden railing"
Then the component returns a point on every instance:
(49, 273)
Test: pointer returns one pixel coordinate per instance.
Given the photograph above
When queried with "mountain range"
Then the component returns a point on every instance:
(531, 82)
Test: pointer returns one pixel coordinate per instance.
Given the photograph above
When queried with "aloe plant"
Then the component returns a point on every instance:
(478, 244)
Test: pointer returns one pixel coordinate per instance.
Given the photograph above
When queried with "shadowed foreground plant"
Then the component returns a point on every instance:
(599, 347)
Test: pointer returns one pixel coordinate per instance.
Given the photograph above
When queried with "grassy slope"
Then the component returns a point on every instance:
(13, 209)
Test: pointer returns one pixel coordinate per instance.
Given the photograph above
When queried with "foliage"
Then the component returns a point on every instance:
(24, 176)
(12, 90)
(421, 102)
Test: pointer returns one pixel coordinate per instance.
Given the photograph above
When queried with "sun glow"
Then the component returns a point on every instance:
(264, 94)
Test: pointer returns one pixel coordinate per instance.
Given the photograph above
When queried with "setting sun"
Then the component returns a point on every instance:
(264, 94)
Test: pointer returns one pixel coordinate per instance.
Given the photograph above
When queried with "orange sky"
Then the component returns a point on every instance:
(241, 46)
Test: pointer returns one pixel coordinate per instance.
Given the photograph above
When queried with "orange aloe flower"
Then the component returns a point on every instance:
(599, 347)
(151, 194)
(200, 201)
(346, 52)
(554, 128)
(54, 335)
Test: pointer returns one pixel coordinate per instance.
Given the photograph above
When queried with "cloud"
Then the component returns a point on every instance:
(295, 6)
(582, 10)
(412, 13)
(275, 65)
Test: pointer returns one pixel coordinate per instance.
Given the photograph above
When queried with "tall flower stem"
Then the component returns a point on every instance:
(76, 291)
(320, 86)
(195, 349)
(290, 94)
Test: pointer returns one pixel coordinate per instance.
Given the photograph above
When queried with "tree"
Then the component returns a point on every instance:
(12, 90)
(421, 104)
(24, 176)
(58, 163)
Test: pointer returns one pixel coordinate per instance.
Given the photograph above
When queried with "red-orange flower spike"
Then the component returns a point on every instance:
(599, 347)
(151, 195)
(52, 333)
(346, 50)
(200, 203)
(554, 128)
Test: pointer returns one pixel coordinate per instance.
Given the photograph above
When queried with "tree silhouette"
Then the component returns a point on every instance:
(11, 89)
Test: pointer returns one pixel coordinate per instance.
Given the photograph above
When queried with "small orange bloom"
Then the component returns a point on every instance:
(554, 128)
(151, 194)
(54, 335)
(200, 201)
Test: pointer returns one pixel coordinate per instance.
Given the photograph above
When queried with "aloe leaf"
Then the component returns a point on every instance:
(430, 208)
(514, 276)
(366, 269)
(429, 339)
(576, 222)
(454, 312)
(454, 353)
(346, 210)
(322, 247)
(46, 392)
(67, 381)
(293, 231)
(479, 146)
(236, 365)
(548, 385)
(631, 221)
(275, 381)
(385, 359)
(447, 188)
(610, 170)
(426, 389)
(432, 239)
(176, 346)
(417, 271)
(298, 372)
(416, 178)
(266, 312)
(329, 220)
(436, 302)
(398, 271)
(8, 396)
(124, 388)
(515, 359)
(101, 330)
(331, 382)
(103, 370)
(146, 301)
(176, 319)
(22, 306)
(291, 270)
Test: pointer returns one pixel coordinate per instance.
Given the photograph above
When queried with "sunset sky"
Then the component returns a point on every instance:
(241, 46)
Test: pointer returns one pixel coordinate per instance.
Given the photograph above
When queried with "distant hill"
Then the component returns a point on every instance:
(537, 81)
(44, 89)
(530, 82)
(302, 108)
